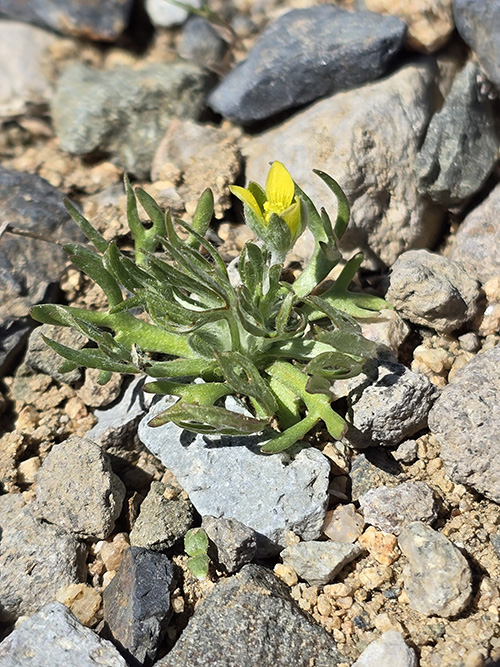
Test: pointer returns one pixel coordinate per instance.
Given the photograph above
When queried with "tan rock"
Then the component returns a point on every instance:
(381, 546)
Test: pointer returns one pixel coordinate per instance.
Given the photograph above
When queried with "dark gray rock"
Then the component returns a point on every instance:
(478, 22)
(251, 619)
(36, 560)
(136, 604)
(387, 404)
(461, 145)
(53, 636)
(466, 421)
(367, 139)
(43, 359)
(161, 522)
(371, 469)
(389, 509)
(28, 266)
(389, 649)
(201, 43)
(125, 111)
(93, 19)
(307, 54)
(230, 477)
(319, 562)
(477, 242)
(234, 543)
(433, 291)
(437, 577)
(78, 491)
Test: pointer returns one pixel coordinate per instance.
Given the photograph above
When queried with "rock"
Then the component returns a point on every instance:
(96, 395)
(430, 22)
(478, 24)
(251, 619)
(407, 452)
(387, 404)
(319, 562)
(465, 422)
(78, 491)
(48, 638)
(382, 546)
(477, 242)
(437, 578)
(433, 291)
(124, 111)
(201, 43)
(367, 139)
(235, 544)
(229, 477)
(24, 86)
(372, 468)
(195, 156)
(164, 14)
(83, 601)
(389, 649)
(28, 266)
(392, 508)
(386, 328)
(304, 55)
(343, 524)
(102, 20)
(461, 145)
(43, 359)
(161, 522)
(137, 603)
(36, 560)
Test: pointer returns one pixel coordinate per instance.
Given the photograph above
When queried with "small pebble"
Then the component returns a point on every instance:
(381, 546)
(343, 524)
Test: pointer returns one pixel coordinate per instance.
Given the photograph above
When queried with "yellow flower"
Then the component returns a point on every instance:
(278, 197)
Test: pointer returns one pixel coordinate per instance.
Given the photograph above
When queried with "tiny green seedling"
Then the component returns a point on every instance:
(196, 547)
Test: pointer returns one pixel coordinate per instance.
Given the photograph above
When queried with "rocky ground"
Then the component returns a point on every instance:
(382, 549)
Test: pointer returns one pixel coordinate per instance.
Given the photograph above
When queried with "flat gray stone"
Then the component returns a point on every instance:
(43, 359)
(466, 421)
(437, 577)
(234, 543)
(53, 636)
(251, 619)
(77, 489)
(461, 145)
(306, 54)
(367, 139)
(389, 649)
(477, 242)
(387, 404)
(125, 111)
(229, 477)
(36, 560)
(319, 562)
(389, 509)
(433, 291)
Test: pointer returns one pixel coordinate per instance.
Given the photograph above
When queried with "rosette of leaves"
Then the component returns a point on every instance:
(175, 314)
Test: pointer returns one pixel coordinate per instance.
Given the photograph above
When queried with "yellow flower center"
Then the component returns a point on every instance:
(271, 207)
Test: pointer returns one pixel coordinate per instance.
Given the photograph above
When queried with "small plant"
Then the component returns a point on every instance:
(176, 315)
(196, 547)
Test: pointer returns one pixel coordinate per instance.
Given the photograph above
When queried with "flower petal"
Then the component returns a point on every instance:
(247, 198)
(280, 188)
(293, 218)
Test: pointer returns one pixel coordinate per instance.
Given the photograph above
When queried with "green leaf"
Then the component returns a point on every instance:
(343, 208)
(198, 566)
(208, 420)
(90, 232)
(244, 377)
(195, 542)
(90, 358)
(352, 343)
(202, 216)
(92, 265)
(334, 366)
(179, 368)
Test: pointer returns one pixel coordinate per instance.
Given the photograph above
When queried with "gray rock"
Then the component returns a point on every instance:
(229, 477)
(433, 291)
(235, 544)
(52, 636)
(93, 19)
(24, 85)
(43, 359)
(164, 14)
(389, 649)
(466, 420)
(201, 43)
(387, 404)
(461, 145)
(36, 560)
(306, 54)
(251, 619)
(437, 577)
(136, 603)
(319, 562)
(389, 509)
(407, 452)
(161, 522)
(124, 111)
(28, 266)
(367, 139)
(78, 491)
(477, 242)
(478, 22)
(372, 468)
